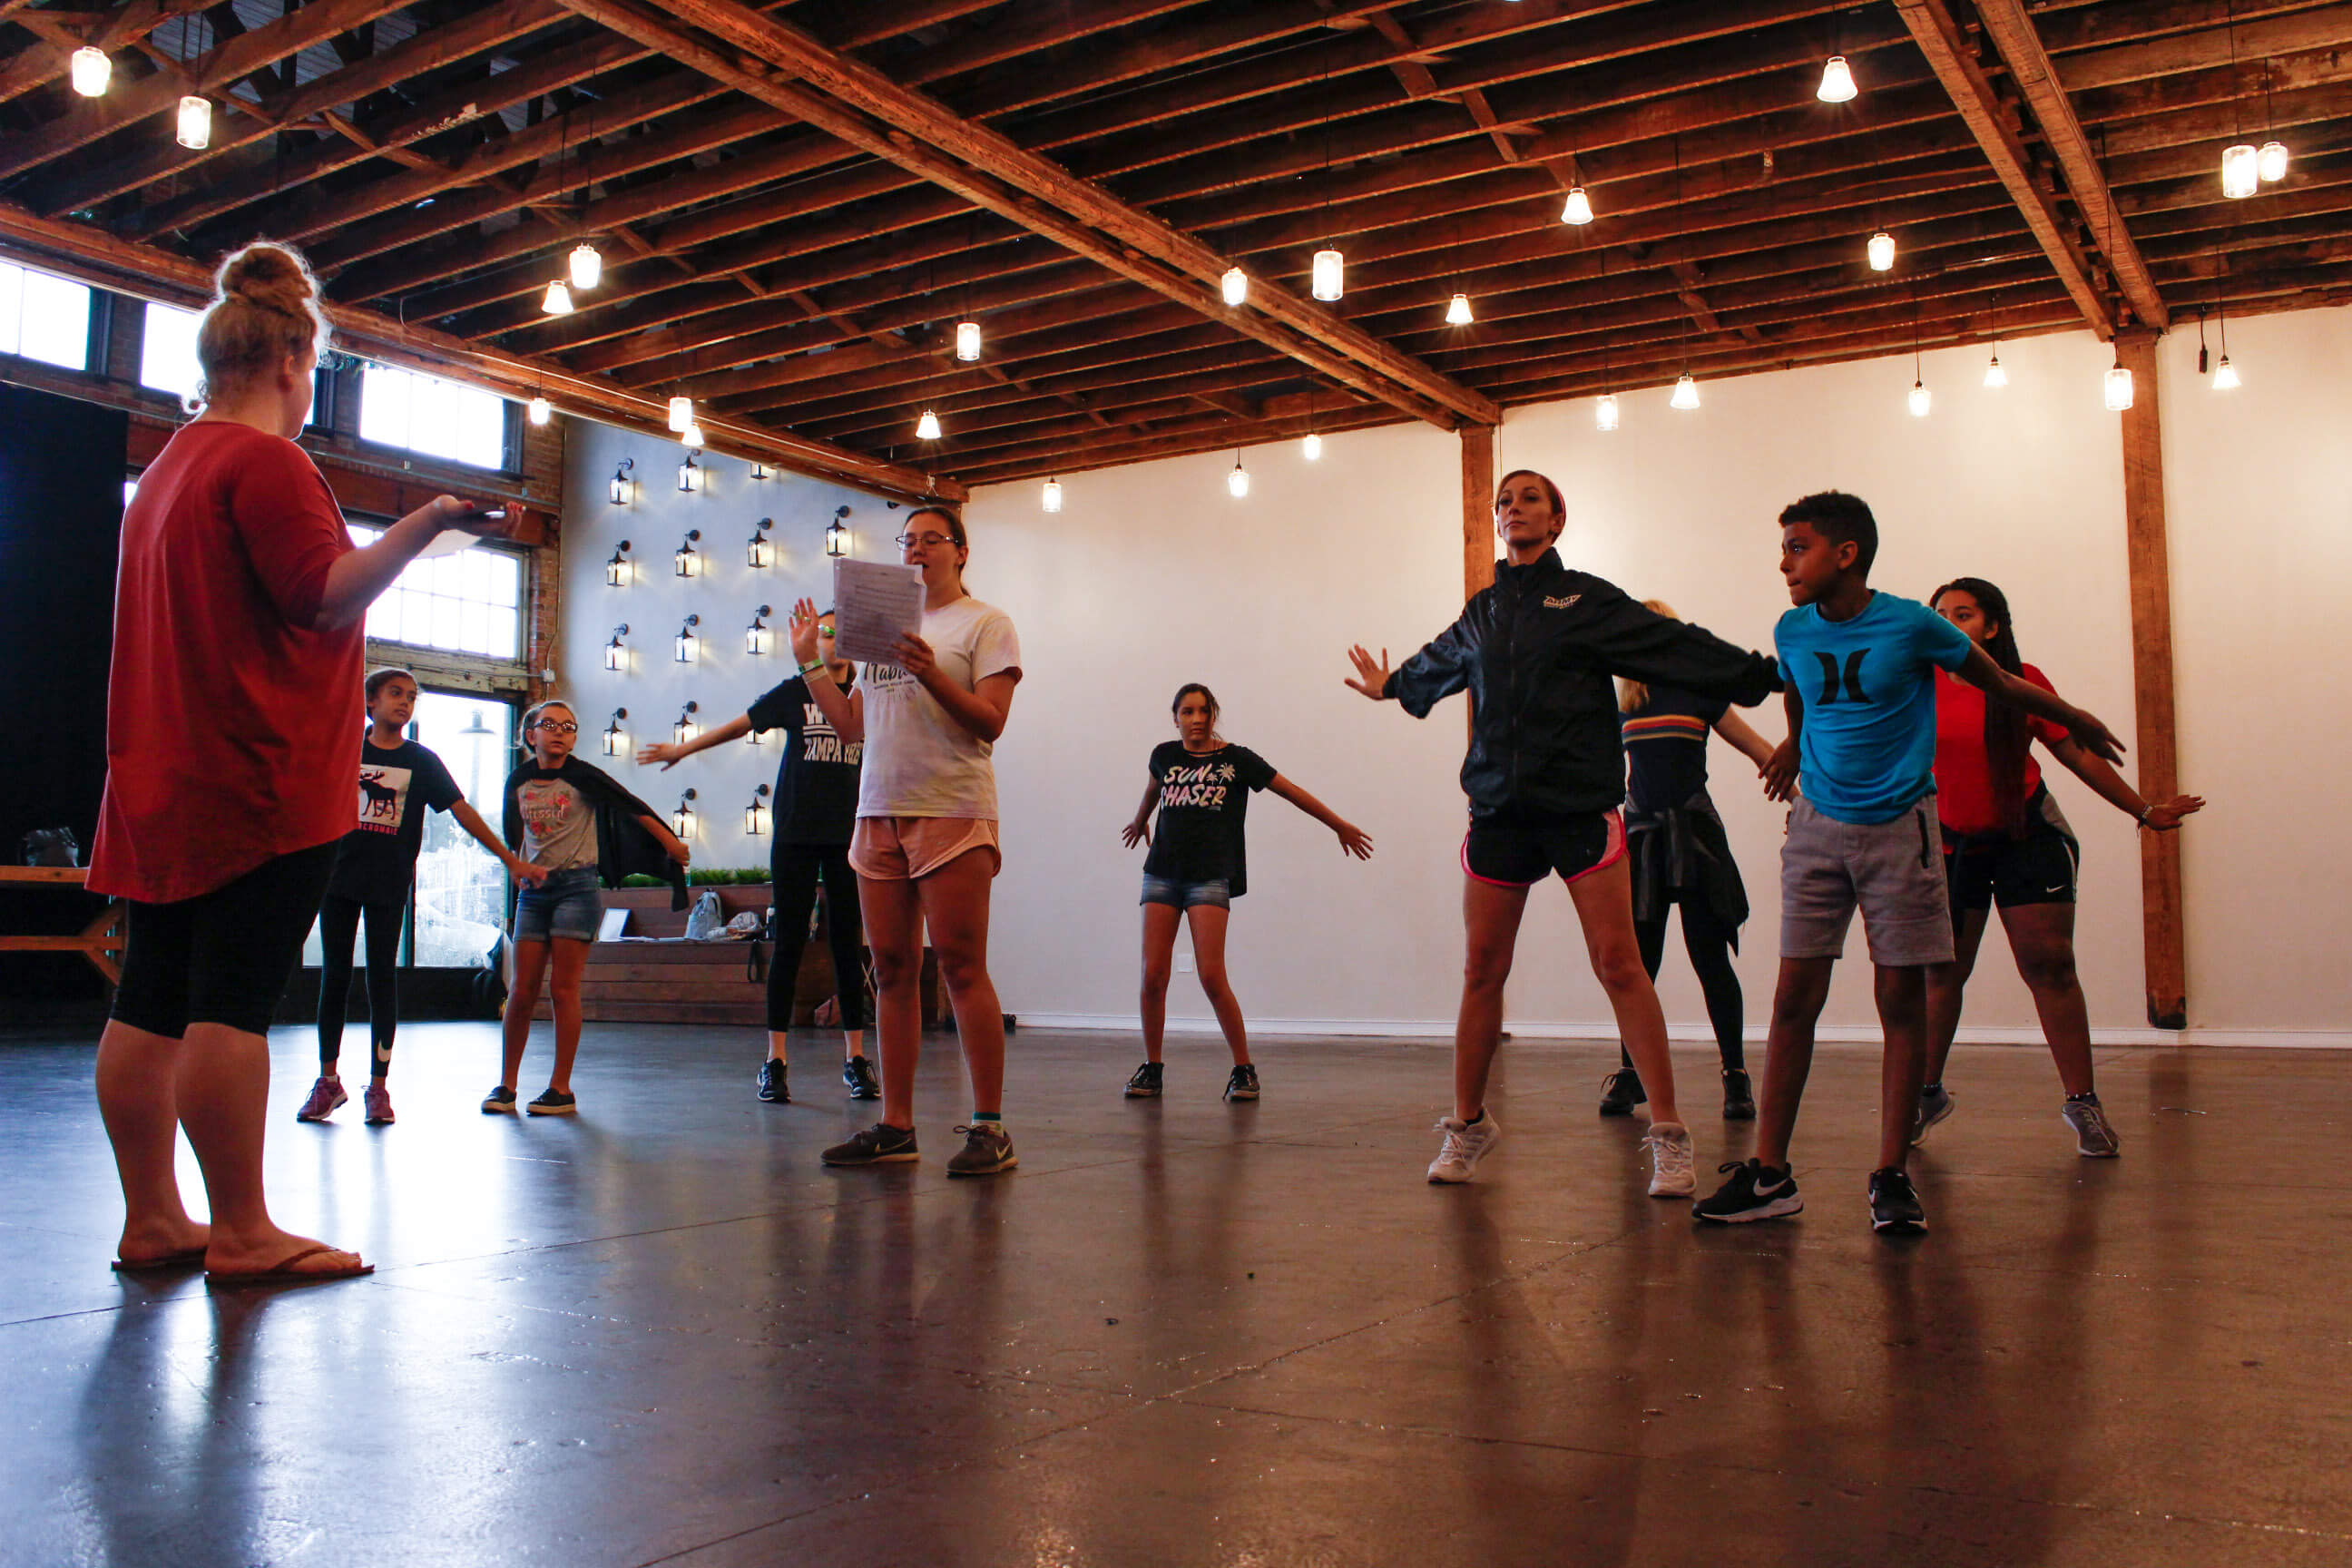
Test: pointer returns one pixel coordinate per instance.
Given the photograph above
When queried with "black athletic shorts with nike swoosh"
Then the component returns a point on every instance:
(2039, 866)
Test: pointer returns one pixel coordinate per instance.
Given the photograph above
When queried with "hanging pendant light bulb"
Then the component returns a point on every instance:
(1604, 412)
(1995, 376)
(927, 428)
(1686, 392)
(541, 411)
(587, 266)
(1053, 495)
(2270, 163)
(1881, 251)
(1235, 285)
(681, 413)
(1237, 482)
(1457, 311)
(2225, 375)
(1578, 209)
(1312, 446)
(558, 301)
(2240, 171)
(2117, 385)
(91, 71)
(692, 436)
(195, 122)
(966, 341)
(1330, 275)
(1837, 81)
(1920, 399)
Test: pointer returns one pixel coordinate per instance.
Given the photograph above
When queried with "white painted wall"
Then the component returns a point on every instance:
(1153, 576)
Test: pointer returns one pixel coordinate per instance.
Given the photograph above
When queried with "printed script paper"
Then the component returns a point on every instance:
(875, 602)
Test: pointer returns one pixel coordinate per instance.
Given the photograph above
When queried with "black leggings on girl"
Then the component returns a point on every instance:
(795, 867)
(338, 920)
(1708, 942)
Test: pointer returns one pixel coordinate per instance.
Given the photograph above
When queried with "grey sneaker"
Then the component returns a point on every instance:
(2093, 1139)
(1935, 1104)
(881, 1144)
(987, 1149)
(1465, 1144)
(1673, 1172)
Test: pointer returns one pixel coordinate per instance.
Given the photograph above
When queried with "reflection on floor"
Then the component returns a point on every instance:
(1189, 1332)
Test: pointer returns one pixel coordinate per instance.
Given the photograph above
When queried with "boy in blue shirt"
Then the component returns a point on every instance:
(1861, 752)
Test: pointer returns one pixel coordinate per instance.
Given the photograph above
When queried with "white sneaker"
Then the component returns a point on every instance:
(1673, 1172)
(1465, 1144)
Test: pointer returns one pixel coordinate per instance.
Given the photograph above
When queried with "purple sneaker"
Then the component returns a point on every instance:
(325, 1095)
(378, 1101)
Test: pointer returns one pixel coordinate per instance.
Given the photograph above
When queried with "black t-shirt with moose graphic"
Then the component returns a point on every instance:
(378, 859)
(1203, 799)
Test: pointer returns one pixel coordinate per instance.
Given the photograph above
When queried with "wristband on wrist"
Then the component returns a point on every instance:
(812, 666)
(2143, 813)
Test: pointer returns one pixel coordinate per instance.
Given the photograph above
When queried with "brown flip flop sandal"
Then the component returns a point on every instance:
(194, 1258)
(286, 1272)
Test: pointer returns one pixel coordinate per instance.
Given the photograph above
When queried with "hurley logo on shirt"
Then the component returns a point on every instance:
(1556, 602)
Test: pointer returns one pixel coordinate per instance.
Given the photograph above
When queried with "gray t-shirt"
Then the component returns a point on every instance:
(559, 826)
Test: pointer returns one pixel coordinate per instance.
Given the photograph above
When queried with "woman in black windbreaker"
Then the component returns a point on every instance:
(1545, 775)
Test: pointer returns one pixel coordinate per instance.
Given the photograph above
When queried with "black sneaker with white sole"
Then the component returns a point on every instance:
(1894, 1203)
(857, 1074)
(1243, 1085)
(549, 1102)
(1145, 1084)
(774, 1089)
(1756, 1191)
(499, 1101)
(1620, 1091)
(881, 1144)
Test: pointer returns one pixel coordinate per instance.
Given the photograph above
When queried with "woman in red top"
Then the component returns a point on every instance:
(238, 638)
(2006, 843)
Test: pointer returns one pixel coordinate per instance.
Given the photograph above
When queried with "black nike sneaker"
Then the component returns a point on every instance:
(1756, 1191)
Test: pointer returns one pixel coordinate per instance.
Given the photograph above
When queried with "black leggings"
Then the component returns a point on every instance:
(222, 957)
(795, 867)
(1708, 942)
(338, 921)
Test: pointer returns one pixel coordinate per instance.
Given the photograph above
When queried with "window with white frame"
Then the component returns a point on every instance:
(44, 318)
(469, 602)
(438, 418)
(167, 352)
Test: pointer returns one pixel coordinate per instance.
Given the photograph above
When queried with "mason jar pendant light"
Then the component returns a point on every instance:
(1837, 81)
(1311, 446)
(1881, 251)
(927, 428)
(1604, 412)
(1995, 376)
(681, 413)
(1921, 399)
(2270, 163)
(2117, 385)
(195, 122)
(966, 341)
(587, 266)
(1330, 275)
(1235, 286)
(1053, 495)
(1457, 311)
(1686, 392)
(1578, 209)
(539, 410)
(557, 300)
(91, 71)
(1237, 482)
(2240, 171)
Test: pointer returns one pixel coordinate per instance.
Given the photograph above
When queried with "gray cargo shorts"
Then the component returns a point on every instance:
(1894, 871)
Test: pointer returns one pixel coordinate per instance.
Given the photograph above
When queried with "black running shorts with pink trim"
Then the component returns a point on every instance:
(1516, 847)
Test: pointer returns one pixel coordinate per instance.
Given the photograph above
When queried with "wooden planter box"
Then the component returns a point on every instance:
(674, 980)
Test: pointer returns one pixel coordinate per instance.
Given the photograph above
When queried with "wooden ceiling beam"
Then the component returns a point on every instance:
(1130, 243)
(1940, 40)
(143, 272)
(2251, 38)
(2011, 32)
(50, 59)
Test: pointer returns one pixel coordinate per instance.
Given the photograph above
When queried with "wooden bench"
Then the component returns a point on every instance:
(101, 941)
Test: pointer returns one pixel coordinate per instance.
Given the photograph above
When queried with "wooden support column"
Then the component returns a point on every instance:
(2151, 611)
(1477, 509)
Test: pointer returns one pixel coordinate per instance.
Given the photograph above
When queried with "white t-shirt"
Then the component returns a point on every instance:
(918, 760)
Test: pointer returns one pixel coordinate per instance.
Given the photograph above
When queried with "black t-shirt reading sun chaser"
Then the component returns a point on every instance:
(816, 777)
(1203, 798)
(377, 859)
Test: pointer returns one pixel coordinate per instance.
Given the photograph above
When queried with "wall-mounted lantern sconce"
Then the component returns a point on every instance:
(614, 741)
(622, 484)
(689, 559)
(690, 475)
(619, 569)
(686, 729)
(761, 552)
(760, 470)
(836, 534)
(756, 637)
(681, 821)
(755, 815)
(616, 652)
(689, 645)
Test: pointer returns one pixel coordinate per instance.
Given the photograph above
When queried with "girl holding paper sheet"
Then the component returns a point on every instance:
(925, 849)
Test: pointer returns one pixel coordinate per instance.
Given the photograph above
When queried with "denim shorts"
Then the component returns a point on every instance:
(1216, 892)
(567, 905)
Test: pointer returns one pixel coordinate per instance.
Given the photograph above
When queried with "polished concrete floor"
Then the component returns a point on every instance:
(1184, 1333)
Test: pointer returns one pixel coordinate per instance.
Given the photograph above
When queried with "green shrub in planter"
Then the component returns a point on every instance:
(643, 881)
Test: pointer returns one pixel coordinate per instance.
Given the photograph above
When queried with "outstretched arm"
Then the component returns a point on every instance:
(1140, 830)
(1372, 676)
(2110, 786)
(670, 753)
(673, 845)
(1995, 682)
(521, 869)
(1744, 738)
(1353, 840)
